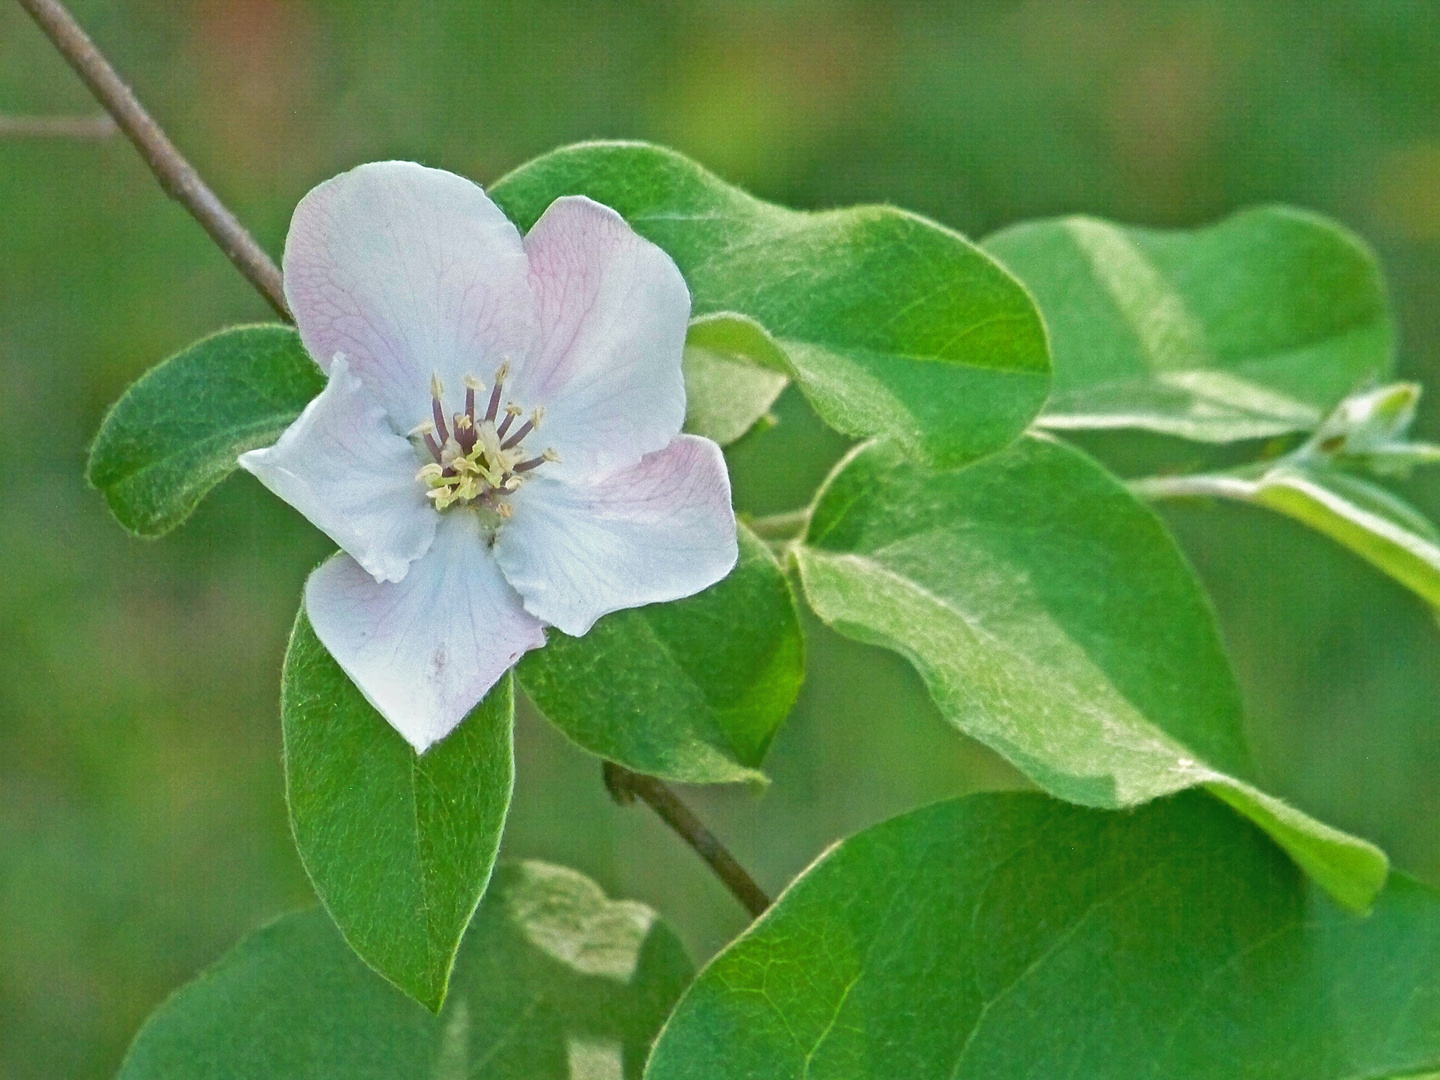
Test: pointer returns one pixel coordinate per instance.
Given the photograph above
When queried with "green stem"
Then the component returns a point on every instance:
(1203, 485)
(780, 527)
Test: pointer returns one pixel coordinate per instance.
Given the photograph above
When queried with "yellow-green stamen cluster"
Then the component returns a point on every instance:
(477, 460)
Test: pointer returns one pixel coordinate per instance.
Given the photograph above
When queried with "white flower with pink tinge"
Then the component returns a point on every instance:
(498, 447)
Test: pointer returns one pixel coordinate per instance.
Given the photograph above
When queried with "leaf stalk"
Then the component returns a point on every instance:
(625, 786)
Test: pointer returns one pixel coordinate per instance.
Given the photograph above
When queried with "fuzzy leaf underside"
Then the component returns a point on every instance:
(1252, 327)
(1053, 618)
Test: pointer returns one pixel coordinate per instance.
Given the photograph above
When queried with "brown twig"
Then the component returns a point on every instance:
(626, 786)
(58, 127)
(176, 175)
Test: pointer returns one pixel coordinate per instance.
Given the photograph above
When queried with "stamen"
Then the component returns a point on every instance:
(511, 412)
(476, 461)
(519, 436)
(437, 395)
(501, 375)
(439, 414)
(473, 386)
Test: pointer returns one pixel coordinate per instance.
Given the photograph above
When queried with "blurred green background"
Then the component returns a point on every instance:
(141, 821)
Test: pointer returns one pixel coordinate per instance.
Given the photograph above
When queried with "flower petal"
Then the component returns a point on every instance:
(343, 466)
(658, 530)
(408, 271)
(425, 650)
(613, 311)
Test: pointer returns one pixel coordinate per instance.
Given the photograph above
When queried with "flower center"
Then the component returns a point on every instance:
(477, 460)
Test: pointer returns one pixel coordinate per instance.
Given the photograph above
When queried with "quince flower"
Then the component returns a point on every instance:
(498, 446)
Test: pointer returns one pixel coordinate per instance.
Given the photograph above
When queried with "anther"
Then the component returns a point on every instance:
(504, 509)
(550, 454)
(464, 431)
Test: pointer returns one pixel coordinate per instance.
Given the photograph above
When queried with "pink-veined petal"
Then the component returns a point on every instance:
(425, 650)
(408, 271)
(613, 311)
(658, 530)
(343, 466)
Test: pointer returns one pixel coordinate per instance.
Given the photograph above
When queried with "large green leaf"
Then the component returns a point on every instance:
(399, 846)
(1251, 327)
(734, 371)
(553, 981)
(176, 433)
(892, 324)
(1053, 618)
(1375, 524)
(1009, 936)
(691, 691)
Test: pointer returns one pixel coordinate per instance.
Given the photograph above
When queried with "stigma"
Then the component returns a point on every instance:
(479, 459)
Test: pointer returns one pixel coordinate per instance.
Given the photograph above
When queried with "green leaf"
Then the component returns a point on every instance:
(1251, 327)
(734, 371)
(892, 324)
(553, 981)
(399, 846)
(692, 690)
(1053, 618)
(1010, 936)
(1375, 524)
(176, 433)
